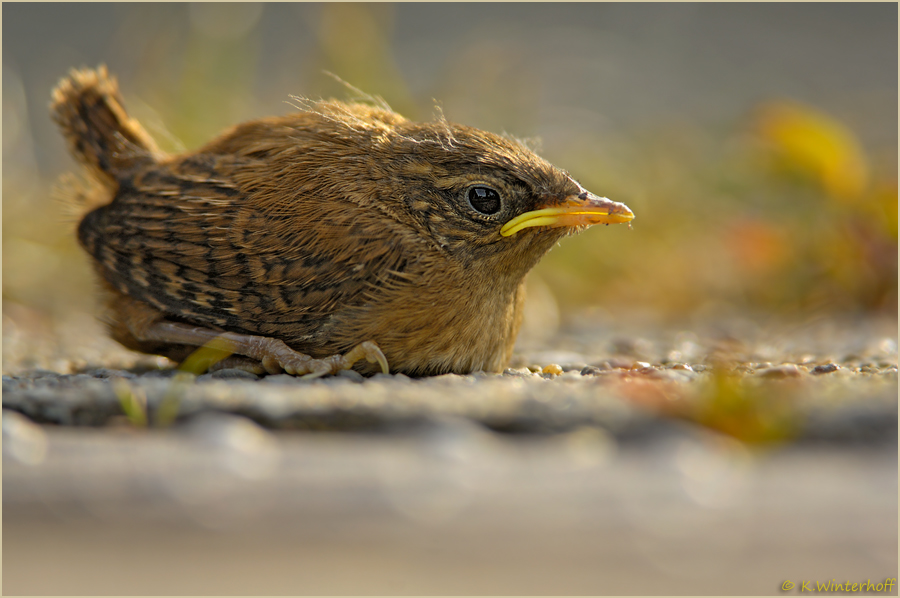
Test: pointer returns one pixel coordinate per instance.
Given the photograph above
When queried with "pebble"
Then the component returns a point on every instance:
(553, 369)
(518, 372)
(787, 370)
(826, 368)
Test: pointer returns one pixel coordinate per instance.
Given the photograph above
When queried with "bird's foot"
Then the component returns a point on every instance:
(278, 356)
(273, 354)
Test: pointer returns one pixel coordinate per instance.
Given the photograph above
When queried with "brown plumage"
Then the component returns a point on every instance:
(298, 239)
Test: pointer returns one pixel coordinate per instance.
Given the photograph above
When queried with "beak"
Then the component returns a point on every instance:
(583, 209)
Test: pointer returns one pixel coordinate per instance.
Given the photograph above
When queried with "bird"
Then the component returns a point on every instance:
(340, 236)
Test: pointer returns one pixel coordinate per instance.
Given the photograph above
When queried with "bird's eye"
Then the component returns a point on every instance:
(484, 200)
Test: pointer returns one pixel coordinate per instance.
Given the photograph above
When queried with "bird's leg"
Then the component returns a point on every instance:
(136, 321)
(274, 355)
(139, 326)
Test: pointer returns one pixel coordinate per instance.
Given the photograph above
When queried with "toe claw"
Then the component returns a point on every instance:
(319, 368)
(271, 365)
(374, 355)
(382, 361)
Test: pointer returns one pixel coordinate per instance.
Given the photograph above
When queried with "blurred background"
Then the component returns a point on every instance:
(757, 144)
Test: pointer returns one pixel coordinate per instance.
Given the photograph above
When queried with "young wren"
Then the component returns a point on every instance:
(341, 236)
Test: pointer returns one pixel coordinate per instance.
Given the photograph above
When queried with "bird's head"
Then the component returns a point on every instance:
(475, 195)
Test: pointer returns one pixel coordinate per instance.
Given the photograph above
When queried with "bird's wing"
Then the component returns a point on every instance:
(187, 239)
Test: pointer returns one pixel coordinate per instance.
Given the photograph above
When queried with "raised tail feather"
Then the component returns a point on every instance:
(88, 108)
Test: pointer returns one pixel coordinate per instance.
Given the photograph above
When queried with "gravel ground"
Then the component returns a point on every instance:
(604, 461)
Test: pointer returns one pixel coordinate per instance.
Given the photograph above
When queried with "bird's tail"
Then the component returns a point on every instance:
(88, 108)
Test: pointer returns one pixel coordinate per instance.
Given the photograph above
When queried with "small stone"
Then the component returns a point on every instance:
(640, 365)
(591, 371)
(553, 369)
(787, 370)
(517, 372)
(826, 368)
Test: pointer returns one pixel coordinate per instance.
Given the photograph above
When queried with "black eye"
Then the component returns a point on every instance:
(484, 200)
